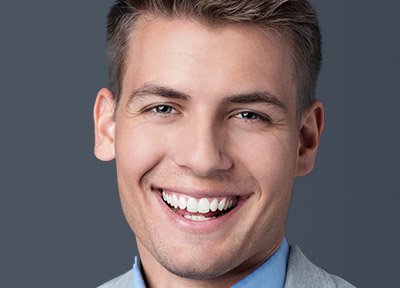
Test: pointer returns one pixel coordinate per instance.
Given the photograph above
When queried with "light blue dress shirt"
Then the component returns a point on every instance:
(270, 274)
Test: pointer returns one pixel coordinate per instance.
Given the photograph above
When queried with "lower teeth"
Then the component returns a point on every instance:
(198, 217)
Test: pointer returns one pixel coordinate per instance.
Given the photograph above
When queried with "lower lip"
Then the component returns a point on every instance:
(198, 227)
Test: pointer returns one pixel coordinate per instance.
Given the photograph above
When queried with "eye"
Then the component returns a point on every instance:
(163, 109)
(248, 115)
(253, 116)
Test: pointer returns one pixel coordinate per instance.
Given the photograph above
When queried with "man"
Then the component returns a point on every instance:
(210, 116)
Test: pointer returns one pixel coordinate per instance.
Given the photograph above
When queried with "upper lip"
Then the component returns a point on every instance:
(203, 192)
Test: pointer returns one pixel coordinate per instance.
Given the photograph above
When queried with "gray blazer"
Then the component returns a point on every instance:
(301, 273)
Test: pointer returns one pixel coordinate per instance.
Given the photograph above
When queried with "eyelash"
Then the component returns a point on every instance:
(259, 117)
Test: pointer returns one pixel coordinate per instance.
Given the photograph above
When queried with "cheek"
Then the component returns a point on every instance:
(270, 159)
(138, 149)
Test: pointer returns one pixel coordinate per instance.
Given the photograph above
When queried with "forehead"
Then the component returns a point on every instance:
(203, 59)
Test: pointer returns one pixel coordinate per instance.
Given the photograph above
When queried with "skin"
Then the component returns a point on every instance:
(207, 143)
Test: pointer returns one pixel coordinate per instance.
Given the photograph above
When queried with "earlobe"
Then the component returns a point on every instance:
(104, 125)
(311, 127)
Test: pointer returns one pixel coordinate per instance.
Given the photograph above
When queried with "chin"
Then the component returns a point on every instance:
(197, 269)
(204, 265)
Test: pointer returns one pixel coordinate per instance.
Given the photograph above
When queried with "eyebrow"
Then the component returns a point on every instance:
(256, 97)
(253, 97)
(161, 91)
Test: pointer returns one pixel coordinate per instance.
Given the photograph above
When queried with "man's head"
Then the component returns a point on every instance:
(207, 135)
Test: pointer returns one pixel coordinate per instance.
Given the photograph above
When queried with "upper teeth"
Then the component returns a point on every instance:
(203, 205)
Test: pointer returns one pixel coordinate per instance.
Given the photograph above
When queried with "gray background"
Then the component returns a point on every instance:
(61, 221)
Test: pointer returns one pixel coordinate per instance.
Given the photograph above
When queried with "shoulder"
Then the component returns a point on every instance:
(302, 273)
(123, 281)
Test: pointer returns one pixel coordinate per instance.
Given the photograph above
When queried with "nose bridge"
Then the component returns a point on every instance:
(203, 147)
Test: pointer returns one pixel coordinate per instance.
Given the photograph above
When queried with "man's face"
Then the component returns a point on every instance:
(207, 118)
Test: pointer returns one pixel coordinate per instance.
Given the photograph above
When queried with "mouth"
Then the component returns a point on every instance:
(198, 209)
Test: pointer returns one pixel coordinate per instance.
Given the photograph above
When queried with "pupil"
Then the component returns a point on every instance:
(162, 109)
(249, 115)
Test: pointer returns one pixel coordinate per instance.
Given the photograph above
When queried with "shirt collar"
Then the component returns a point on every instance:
(138, 281)
(272, 272)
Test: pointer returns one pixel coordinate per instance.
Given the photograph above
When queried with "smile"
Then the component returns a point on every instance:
(198, 209)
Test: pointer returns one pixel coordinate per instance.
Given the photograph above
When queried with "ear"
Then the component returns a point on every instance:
(104, 125)
(311, 127)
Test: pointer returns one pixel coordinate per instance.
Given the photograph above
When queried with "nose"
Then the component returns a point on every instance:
(202, 148)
